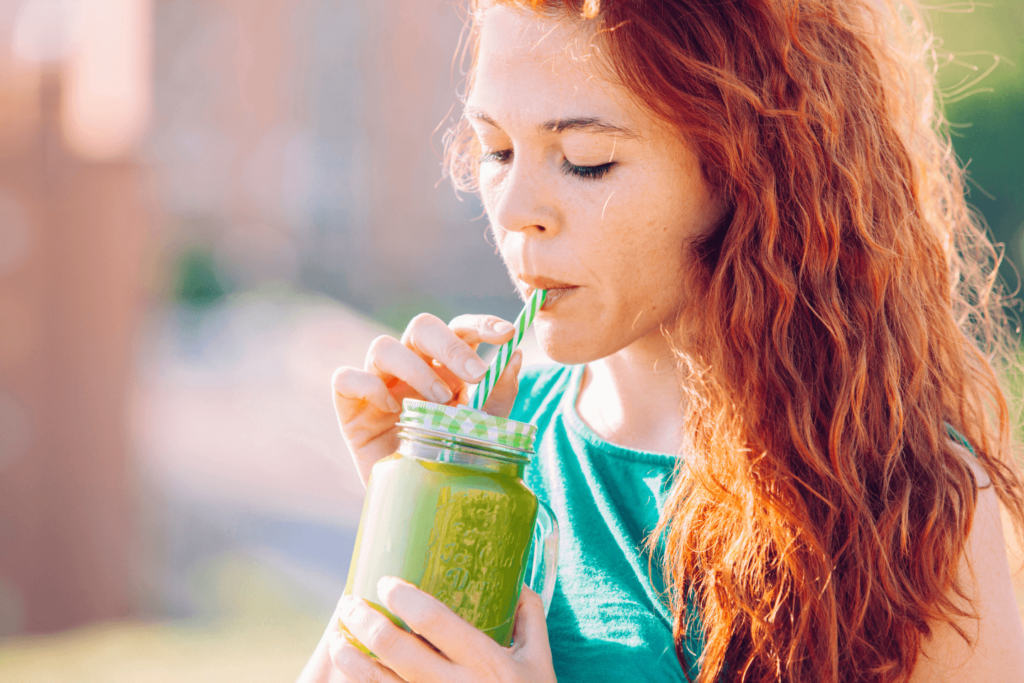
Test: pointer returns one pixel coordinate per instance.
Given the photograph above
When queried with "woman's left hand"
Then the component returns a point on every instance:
(466, 654)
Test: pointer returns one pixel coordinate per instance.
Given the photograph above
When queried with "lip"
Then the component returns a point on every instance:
(541, 282)
(556, 288)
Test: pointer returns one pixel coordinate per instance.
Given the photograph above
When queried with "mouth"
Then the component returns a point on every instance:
(556, 289)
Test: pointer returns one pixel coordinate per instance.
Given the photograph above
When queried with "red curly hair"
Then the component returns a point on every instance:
(849, 311)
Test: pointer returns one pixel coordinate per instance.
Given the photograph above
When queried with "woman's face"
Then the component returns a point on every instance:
(588, 195)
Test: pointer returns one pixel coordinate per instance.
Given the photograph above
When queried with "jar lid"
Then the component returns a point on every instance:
(466, 422)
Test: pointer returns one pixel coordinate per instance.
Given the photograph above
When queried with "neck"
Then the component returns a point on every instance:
(632, 398)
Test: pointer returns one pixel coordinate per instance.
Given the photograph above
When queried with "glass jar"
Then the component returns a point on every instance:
(449, 512)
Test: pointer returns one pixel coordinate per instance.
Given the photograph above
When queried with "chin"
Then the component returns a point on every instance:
(569, 347)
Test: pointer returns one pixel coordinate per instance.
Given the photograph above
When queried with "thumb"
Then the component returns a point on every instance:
(530, 633)
(503, 395)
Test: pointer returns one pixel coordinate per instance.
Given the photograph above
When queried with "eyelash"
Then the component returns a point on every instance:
(584, 172)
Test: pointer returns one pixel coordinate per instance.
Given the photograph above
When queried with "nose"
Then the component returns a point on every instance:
(527, 203)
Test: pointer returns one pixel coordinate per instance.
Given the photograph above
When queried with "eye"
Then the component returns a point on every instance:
(501, 156)
(587, 172)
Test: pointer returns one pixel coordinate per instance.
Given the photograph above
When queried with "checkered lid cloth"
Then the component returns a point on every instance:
(466, 422)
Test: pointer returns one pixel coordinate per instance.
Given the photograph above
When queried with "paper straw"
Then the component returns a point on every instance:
(523, 322)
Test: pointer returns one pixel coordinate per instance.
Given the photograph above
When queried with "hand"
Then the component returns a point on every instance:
(434, 362)
(464, 654)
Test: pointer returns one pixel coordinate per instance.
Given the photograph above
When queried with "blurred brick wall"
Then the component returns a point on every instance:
(71, 239)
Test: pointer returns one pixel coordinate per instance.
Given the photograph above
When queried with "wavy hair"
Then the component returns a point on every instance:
(849, 312)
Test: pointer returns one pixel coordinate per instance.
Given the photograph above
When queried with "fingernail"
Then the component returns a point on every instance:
(385, 585)
(410, 599)
(393, 404)
(475, 367)
(504, 327)
(441, 392)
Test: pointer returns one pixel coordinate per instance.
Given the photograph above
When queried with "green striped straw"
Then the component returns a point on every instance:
(523, 322)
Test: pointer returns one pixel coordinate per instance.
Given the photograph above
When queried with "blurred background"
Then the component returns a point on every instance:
(205, 207)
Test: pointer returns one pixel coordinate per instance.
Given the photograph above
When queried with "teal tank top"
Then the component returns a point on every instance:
(609, 618)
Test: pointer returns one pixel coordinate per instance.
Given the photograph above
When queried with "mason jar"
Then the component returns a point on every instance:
(449, 512)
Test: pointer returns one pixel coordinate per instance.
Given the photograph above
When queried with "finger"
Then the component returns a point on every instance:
(462, 390)
(402, 652)
(357, 387)
(460, 642)
(368, 438)
(530, 633)
(503, 395)
(429, 336)
(388, 358)
(477, 329)
(356, 666)
(453, 381)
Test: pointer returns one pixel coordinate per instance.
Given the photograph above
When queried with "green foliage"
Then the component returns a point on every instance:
(198, 282)
(992, 148)
(983, 82)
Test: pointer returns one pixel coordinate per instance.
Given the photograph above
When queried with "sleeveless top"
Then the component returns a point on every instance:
(609, 618)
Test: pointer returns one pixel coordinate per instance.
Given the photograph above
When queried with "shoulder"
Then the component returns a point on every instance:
(971, 460)
(996, 652)
(963, 448)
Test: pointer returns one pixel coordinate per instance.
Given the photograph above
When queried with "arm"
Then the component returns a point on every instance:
(432, 361)
(997, 654)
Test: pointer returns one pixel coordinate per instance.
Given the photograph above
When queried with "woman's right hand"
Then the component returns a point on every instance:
(433, 362)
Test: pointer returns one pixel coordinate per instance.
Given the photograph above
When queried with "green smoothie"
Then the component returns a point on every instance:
(460, 532)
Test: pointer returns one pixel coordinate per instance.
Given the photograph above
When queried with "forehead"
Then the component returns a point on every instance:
(531, 69)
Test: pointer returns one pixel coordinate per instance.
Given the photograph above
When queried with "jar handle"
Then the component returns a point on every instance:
(544, 555)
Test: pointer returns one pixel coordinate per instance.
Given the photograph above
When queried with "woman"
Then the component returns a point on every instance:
(777, 317)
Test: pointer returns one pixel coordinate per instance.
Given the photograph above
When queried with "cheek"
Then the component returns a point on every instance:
(643, 242)
(503, 242)
(490, 193)
(642, 231)
(490, 182)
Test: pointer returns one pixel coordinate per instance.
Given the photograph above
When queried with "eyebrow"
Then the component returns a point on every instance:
(585, 124)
